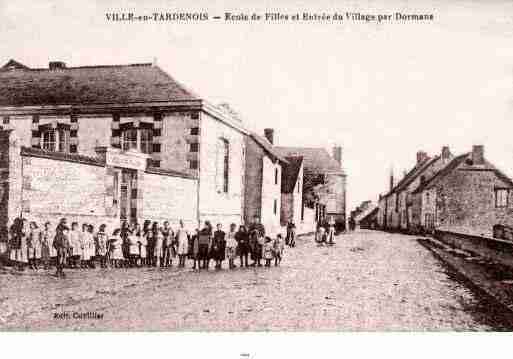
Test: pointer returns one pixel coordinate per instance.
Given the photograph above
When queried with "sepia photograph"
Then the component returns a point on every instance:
(247, 166)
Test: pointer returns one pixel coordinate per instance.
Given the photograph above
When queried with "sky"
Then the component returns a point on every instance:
(381, 91)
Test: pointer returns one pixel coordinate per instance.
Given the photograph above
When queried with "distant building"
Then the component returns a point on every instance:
(324, 185)
(369, 220)
(469, 195)
(398, 209)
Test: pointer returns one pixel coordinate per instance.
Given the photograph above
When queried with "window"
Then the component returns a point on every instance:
(430, 221)
(139, 139)
(56, 140)
(193, 164)
(194, 147)
(195, 131)
(223, 165)
(48, 138)
(302, 211)
(129, 139)
(397, 202)
(5, 120)
(275, 209)
(146, 140)
(275, 176)
(501, 198)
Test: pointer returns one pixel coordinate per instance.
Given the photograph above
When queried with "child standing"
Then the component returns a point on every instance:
(278, 249)
(182, 238)
(101, 245)
(133, 246)
(116, 248)
(218, 246)
(158, 238)
(75, 245)
(142, 237)
(87, 246)
(46, 246)
(268, 252)
(231, 246)
(34, 245)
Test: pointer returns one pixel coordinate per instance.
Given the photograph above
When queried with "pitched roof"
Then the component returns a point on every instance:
(373, 212)
(315, 160)
(415, 173)
(268, 147)
(89, 85)
(290, 173)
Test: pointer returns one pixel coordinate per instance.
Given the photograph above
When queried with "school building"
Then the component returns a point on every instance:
(110, 143)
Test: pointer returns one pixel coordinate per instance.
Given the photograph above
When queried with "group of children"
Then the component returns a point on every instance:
(133, 245)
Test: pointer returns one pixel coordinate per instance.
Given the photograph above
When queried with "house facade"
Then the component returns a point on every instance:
(470, 195)
(400, 209)
(263, 182)
(125, 110)
(323, 175)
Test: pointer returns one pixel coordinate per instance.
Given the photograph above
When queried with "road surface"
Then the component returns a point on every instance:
(368, 281)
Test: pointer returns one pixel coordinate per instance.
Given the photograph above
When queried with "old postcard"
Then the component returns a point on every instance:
(248, 166)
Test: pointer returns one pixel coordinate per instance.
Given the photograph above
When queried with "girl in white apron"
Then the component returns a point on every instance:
(101, 246)
(116, 249)
(133, 246)
(143, 243)
(182, 237)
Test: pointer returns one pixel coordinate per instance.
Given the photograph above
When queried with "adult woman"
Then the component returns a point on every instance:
(219, 246)
(182, 239)
(231, 246)
(242, 239)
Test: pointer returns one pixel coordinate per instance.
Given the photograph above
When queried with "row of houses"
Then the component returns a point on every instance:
(462, 193)
(104, 144)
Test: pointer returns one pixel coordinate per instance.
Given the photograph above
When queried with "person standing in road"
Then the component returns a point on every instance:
(74, 245)
(278, 248)
(194, 249)
(34, 245)
(231, 246)
(242, 239)
(46, 246)
(168, 245)
(268, 251)
(182, 239)
(205, 245)
(219, 246)
(102, 243)
(61, 245)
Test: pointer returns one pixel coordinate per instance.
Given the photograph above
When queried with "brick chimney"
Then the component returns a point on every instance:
(337, 154)
(421, 156)
(478, 154)
(56, 65)
(391, 179)
(269, 134)
(446, 153)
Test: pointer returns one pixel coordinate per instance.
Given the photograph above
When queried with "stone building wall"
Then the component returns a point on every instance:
(169, 198)
(214, 204)
(253, 180)
(271, 196)
(465, 201)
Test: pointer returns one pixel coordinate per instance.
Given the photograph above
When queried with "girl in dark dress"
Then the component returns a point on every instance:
(242, 245)
(219, 247)
(204, 245)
